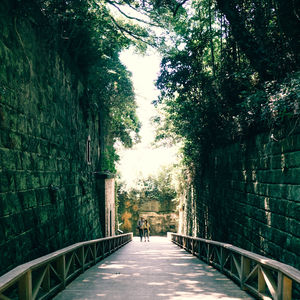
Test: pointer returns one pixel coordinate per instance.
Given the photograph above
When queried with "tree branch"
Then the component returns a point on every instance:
(178, 6)
(130, 17)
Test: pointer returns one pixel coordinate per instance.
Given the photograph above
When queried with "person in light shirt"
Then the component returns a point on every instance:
(146, 228)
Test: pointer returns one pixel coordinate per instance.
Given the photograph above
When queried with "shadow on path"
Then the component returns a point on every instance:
(152, 270)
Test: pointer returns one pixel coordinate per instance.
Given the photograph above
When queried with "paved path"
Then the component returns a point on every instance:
(152, 270)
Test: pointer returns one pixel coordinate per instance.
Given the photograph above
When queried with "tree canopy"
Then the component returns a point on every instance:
(87, 35)
(232, 69)
(229, 67)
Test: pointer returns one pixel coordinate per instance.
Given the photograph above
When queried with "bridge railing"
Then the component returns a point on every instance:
(263, 277)
(44, 277)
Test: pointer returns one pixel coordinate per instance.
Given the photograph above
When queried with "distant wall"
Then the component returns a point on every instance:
(162, 218)
(249, 195)
(47, 186)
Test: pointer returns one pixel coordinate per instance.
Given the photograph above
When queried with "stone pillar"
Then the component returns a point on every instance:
(105, 189)
(110, 206)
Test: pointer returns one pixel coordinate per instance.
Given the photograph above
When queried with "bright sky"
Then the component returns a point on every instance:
(143, 159)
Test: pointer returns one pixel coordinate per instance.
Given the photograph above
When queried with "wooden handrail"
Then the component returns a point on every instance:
(263, 277)
(45, 276)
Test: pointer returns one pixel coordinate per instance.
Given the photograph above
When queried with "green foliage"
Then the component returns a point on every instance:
(90, 38)
(160, 187)
(222, 77)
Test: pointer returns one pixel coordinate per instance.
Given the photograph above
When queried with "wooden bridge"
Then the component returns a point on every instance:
(159, 269)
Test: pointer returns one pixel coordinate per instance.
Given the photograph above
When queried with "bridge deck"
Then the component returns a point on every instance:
(152, 270)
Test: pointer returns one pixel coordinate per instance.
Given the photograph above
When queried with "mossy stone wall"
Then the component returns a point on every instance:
(249, 195)
(47, 187)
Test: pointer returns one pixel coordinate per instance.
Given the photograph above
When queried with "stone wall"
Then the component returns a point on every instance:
(47, 186)
(249, 195)
(110, 207)
(161, 220)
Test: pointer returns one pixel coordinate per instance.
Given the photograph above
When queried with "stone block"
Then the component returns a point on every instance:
(8, 159)
(33, 145)
(292, 160)
(16, 141)
(278, 237)
(13, 203)
(293, 192)
(46, 179)
(26, 159)
(43, 196)
(276, 161)
(278, 206)
(290, 176)
(2, 239)
(7, 181)
(12, 225)
(29, 219)
(292, 244)
(33, 180)
(5, 139)
(293, 211)
(288, 144)
(291, 259)
(8, 119)
(273, 250)
(39, 163)
(43, 147)
(297, 142)
(293, 227)
(22, 124)
(4, 211)
(279, 221)
(27, 199)
(44, 215)
(23, 244)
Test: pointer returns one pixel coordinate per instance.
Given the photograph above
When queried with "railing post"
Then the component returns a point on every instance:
(46, 282)
(61, 269)
(207, 254)
(25, 286)
(94, 247)
(103, 249)
(81, 258)
(245, 270)
(193, 252)
(284, 287)
(222, 259)
(261, 281)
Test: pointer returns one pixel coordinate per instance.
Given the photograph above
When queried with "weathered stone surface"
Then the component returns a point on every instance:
(255, 201)
(43, 138)
(161, 219)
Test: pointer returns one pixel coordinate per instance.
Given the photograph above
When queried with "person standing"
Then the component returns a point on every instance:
(146, 230)
(140, 227)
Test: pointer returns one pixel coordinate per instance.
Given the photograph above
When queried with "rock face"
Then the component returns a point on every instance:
(249, 195)
(49, 148)
(161, 221)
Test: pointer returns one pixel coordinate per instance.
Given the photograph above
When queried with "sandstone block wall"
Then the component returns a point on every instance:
(161, 220)
(249, 195)
(47, 186)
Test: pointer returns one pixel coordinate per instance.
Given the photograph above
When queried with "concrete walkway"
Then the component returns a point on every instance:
(152, 270)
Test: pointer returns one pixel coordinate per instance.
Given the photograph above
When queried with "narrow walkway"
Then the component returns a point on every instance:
(155, 270)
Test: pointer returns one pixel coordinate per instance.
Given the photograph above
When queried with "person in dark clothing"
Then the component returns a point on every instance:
(146, 227)
(140, 227)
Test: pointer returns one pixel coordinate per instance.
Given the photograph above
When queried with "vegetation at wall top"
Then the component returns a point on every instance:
(232, 70)
(89, 38)
(229, 68)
